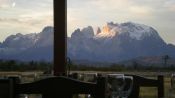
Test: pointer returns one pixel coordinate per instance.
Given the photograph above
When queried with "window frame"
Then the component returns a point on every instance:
(60, 34)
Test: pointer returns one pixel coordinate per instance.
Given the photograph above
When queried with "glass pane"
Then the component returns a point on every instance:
(26, 37)
(121, 35)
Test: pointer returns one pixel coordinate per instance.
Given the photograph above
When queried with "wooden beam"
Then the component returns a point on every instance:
(60, 30)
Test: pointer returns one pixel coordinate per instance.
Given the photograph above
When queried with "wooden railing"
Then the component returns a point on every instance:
(66, 87)
(61, 87)
(53, 87)
(145, 82)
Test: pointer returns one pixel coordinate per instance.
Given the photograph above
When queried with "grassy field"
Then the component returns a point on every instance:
(145, 92)
(151, 92)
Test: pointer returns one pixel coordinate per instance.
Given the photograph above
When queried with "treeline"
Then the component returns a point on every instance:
(118, 68)
(13, 65)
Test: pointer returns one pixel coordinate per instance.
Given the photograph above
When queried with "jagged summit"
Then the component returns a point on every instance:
(111, 30)
(110, 44)
(48, 29)
(138, 31)
(98, 30)
(87, 32)
(116, 42)
(134, 30)
(33, 46)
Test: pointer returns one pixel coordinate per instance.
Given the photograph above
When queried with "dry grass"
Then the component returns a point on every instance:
(147, 92)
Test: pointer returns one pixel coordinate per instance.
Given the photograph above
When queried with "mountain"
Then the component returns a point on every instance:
(34, 46)
(113, 43)
(117, 42)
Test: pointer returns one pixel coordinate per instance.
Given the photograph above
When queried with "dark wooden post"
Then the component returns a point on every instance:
(136, 87)
(7, 87)
(60, 30)
(160, 86)
(100, 91)
(13, 81)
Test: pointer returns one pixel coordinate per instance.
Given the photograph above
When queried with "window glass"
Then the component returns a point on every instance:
(121, 34)
(26, 37)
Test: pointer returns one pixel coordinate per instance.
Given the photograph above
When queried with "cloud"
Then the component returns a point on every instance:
(26, 17)
(29, 18)
(101, 11)
(141, 11)
(13, 4)
(7, 20)
(32, 13)
(170, 5)
(13, 25)
(110, 4)
(35, 5)
(4, 3)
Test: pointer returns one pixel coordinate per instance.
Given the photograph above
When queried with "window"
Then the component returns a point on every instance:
(26, 41)
(120, 35)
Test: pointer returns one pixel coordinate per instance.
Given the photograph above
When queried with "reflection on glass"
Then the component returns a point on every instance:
(87, 77)
(119, 85)
(128, 86)
(116, 84)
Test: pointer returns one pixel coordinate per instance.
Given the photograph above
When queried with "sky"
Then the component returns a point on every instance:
(29, 16)
(159, 14)
(24, 16)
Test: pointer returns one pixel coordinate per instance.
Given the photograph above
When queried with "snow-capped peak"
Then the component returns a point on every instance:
(108, 31)
(135, 31)
(48, 29)
(116, 42)
(87, 32)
